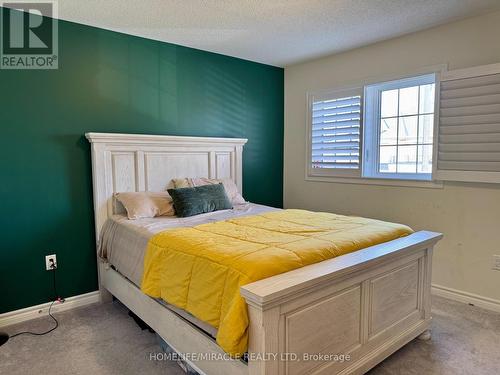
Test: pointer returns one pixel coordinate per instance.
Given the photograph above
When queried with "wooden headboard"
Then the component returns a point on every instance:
(137, 162)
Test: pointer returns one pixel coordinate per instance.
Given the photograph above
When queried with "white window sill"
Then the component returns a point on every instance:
(377, 181)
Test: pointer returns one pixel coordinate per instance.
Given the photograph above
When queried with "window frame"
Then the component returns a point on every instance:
(357, 90)
(438, 69)
(371, 133)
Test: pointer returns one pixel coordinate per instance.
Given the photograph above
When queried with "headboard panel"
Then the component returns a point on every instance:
(137, 162)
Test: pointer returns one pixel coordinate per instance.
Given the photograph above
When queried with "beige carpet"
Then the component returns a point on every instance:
(103, 340)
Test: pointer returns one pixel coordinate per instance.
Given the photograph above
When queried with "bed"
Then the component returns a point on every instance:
(360, 307)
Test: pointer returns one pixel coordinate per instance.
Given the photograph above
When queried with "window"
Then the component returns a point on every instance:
(399, 129)
(335, 133)
(383, 130)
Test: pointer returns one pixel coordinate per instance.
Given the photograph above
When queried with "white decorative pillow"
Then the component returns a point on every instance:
(229, 186)
(146, 204)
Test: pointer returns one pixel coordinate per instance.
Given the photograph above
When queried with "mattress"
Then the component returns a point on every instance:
(123, 243)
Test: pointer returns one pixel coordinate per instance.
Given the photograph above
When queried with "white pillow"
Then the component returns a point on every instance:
(229, 186)
(146, 204)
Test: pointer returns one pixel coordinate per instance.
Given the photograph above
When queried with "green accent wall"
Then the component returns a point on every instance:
(112, 82)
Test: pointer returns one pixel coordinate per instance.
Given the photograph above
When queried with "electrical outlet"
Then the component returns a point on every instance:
(49, 266)
(496, 262)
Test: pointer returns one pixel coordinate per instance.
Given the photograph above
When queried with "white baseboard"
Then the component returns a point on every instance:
(466, 297)
(28, 313)
(33, 312)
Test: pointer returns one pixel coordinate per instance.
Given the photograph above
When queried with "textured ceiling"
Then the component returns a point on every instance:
(276, 32)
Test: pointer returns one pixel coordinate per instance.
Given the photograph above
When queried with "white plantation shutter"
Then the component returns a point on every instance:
(469, 125)
(335, 124)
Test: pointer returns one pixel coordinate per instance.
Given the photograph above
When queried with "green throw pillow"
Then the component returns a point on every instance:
(199, 199)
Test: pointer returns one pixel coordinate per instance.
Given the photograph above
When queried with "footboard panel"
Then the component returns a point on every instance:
(344, 315)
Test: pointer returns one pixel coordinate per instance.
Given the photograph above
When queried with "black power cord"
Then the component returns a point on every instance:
(56, 299)
(40, 333)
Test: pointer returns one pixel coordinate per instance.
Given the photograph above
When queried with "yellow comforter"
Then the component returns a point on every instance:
(200, 269)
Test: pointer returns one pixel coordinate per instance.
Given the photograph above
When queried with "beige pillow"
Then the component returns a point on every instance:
(229, 186)
(182, 183)
(146, 204)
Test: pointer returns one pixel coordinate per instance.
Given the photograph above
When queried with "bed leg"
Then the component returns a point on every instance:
(426, 335)
(104, 294)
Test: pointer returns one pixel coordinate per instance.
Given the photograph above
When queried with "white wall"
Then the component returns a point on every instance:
(467, 214)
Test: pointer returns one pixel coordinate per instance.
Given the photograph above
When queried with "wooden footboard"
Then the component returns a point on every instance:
(344, 315)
